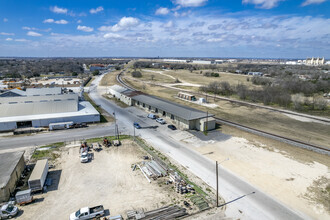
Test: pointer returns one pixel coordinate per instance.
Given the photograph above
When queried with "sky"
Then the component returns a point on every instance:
(165, 28)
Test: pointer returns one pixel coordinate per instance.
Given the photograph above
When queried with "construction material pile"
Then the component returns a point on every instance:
(154, 169)
(180, 184)
(167, 212)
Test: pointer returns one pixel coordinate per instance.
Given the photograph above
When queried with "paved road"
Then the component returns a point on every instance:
(55, 136)
(255, 206)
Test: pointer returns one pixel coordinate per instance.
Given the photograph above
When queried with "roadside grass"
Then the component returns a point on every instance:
(110, 78)
(118, 102)
(110, 138)
(104, 116)
(266, 120)
(319, 192)
(47, 154)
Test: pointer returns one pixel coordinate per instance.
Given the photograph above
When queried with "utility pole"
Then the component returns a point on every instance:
(216, 170)
(217, 180)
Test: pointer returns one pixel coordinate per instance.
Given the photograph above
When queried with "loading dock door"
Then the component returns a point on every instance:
(24, 124)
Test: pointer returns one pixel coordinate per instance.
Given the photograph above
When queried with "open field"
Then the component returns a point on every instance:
(195, 77)
(107, 179)
(273, 122)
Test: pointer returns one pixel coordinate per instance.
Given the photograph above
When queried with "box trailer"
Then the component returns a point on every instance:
(24, 197)
(60, 125)
(38, 175)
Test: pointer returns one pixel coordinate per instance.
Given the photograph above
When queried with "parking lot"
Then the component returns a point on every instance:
(108, 180)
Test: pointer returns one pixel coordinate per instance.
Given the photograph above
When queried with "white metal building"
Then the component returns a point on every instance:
(32, 109)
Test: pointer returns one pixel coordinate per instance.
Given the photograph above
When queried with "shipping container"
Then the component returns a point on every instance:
(38, 176)
(60, 125)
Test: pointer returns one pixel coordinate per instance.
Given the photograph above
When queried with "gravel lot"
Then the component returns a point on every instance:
(108, 180)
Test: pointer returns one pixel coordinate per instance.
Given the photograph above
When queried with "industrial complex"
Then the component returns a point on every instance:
(38, 107)
(182, 116)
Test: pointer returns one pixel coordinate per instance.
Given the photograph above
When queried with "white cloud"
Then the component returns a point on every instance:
(33, 34)
(61, 22)
(21, 40)
(309, 2)
(50, 20)
(96, 10)
(5, 20)
(7, 34)
(9, 39)
(85, 28)
(162, 11)
(169, 24)
(111, 35)
(190, 3)
(58, 10)
(124, 24)
(36, 29)
(265, 4)
(79, 21)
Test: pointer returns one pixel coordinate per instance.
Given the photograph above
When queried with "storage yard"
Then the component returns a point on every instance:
(113, 177)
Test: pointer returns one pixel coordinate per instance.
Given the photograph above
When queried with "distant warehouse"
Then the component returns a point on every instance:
(38, 107)
(182, 116)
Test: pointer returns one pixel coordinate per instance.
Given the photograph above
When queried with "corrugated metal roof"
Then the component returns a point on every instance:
(13, 92)
(43, 98)
(84, 109)
(43, 91)
(118, 88)
(178, 110)
(38, 169)
(35, 108)
(8, 162)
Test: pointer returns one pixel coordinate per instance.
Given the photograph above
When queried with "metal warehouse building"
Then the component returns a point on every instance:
(182, 116)
(40, 107)
(11, 166)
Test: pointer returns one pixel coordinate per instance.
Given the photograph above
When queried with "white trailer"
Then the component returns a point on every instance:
(60, 125)
(38, 175)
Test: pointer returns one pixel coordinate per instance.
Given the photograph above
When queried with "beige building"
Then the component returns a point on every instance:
(315, 61)
(11, 166)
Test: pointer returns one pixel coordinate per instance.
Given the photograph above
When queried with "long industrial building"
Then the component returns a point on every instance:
(38, 107)
(182, 116)
(11, 166)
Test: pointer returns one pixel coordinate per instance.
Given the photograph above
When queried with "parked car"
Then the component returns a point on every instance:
(8, 211)
(88, 213)
(161, 121)
(172, 127)
(84, 157)
(152, 116)
(136, 125)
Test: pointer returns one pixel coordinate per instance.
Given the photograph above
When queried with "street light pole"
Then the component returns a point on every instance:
(217, 179)
(217, 173)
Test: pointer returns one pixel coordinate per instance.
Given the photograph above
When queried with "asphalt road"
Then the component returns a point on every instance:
(232, 188)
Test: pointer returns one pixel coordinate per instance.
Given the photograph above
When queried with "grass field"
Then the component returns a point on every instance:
(109, 79)
(273, 122)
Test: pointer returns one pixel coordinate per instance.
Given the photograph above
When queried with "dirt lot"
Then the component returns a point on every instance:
(297, 177)
(108, 179)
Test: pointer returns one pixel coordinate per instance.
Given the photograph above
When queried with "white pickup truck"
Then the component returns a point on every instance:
(8, 211)
(88, 213)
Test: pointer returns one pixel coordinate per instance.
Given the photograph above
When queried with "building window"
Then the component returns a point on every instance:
(138, 103)
(149, 108)
(156, 110)
(164, 113)
(172, 117)
(144, 105)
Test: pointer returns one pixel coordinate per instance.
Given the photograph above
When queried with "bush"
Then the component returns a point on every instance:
(136, 74)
